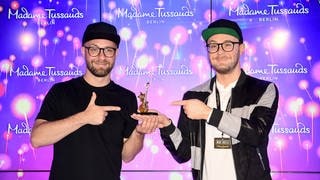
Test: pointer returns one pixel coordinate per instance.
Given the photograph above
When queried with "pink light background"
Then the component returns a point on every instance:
(169, 53)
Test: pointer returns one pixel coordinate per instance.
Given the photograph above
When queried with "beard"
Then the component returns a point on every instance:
(226, 68)
(100, 72)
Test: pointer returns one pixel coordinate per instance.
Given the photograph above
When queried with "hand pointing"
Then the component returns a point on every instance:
(194, 108)
(95, 114)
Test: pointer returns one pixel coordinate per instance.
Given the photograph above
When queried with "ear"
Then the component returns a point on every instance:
(83, 50)
(242, 48)
(117, 52)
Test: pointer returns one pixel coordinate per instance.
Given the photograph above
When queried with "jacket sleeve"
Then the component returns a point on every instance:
(252, 122)
(177, 139)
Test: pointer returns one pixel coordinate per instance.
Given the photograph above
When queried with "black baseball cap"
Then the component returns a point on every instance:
(223, 26)
(101, 30)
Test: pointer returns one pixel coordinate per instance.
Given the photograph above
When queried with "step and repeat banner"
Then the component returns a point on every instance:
(161, 45)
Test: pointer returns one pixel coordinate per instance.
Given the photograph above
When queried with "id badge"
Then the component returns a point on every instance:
(222, 143)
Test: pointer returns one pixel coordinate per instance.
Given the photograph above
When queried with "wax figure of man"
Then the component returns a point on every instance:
(225, 122)
(87, 119)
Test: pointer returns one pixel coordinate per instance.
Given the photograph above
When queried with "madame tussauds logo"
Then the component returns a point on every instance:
(25, 71)
(51, 13)
(159, 70)
(271, 9)
(299, 129)
(155, 13)
(22, 129)
(274, 69)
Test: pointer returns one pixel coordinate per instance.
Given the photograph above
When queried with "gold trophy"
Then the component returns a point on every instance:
(144, 107)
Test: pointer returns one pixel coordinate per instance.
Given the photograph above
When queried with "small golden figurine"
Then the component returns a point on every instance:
(144, 103)
(144, 107)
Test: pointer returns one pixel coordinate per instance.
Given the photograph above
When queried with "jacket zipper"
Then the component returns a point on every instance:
(260, 157)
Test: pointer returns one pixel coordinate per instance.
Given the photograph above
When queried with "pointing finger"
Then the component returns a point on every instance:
(179, 103)
(111, 108)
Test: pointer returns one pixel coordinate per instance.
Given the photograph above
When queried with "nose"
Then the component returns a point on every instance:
(220, 50)
(101, 54)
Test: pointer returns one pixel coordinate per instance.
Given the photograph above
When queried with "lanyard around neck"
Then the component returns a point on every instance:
(218, 101)
(228, 109)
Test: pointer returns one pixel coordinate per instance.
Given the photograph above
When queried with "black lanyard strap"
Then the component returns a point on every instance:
(218, 101)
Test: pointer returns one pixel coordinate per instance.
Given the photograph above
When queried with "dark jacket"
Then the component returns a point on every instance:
(254, 106)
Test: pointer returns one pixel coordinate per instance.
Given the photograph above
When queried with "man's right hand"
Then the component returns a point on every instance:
(163, 120)
(94, 114)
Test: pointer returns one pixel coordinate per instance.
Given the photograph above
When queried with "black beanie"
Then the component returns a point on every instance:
(101, 30)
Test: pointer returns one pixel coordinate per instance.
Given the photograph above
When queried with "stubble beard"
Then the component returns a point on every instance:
(100, 72)
(226, 69)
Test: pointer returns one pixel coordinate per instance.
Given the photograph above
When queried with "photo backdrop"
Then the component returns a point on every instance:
(161, 44)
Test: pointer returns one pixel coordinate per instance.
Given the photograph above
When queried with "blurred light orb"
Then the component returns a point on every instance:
(14, 5)
(125, 33)
(5, 162)
(280, 39)
(22, 106)
(175, 176)
(27, 40)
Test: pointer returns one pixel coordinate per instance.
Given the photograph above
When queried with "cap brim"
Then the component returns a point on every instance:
(207, 33)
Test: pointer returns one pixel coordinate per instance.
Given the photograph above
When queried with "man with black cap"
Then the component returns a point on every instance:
(87, 119)
(224, 123)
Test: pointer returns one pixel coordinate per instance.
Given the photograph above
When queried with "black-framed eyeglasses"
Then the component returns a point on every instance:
(95, 51)
(226, 46)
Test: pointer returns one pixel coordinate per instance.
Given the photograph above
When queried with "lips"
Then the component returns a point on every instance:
(102, 63)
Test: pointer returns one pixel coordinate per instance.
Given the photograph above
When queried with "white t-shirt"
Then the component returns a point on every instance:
(218, 163)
